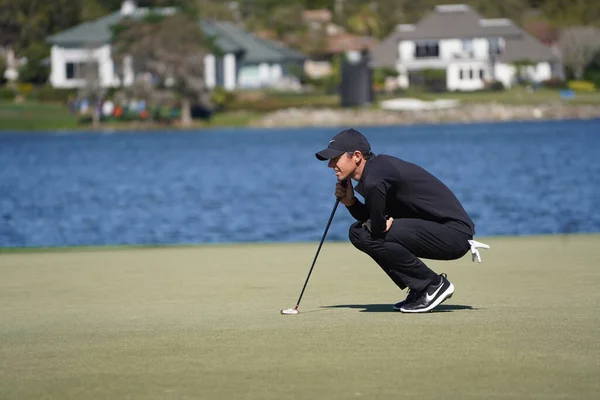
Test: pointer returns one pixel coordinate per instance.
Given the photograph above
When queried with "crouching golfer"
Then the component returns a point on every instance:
(408, 214)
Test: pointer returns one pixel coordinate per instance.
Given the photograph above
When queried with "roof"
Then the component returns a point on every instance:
(461, 21)
(92, 32)
(98, 31)
(385, 54)
(255, 48)
(525, 47)
(224, 42)
(228, 37)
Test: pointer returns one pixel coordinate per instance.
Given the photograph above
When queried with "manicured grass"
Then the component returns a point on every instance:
(234, 118)
(35, 116)
(203, 322)
(264, 101)
(42, 116)
(515, 96)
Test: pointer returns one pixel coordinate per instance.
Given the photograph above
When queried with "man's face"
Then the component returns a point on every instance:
(344, 165)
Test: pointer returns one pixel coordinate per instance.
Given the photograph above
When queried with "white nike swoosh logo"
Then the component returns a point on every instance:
(331, 141)
(429, 298)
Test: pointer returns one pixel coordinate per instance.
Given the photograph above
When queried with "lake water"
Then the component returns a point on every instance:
(265, 185)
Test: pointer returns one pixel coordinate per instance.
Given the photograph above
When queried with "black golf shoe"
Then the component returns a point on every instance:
(412, 296)
(431, 297)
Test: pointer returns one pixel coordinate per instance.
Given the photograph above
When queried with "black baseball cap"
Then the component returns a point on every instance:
(348, 140)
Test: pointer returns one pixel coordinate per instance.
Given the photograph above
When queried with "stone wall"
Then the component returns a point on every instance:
(485, 112)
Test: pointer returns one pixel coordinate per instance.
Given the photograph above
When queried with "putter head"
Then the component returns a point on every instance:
(290, 311)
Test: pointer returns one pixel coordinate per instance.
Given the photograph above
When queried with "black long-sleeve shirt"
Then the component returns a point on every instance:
(396, 188)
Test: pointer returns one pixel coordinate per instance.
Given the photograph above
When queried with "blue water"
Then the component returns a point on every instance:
(265, 185)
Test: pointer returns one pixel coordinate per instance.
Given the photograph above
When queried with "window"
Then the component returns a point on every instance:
(81, 70)
(70, 70)
(467, 46)
(461, 74)
(495, 46)
(481, 74)
(471, 73)
(427, 49)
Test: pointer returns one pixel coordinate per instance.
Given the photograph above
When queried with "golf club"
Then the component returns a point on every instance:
(293, 311)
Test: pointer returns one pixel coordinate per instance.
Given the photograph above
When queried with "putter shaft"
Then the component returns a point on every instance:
(337, 201)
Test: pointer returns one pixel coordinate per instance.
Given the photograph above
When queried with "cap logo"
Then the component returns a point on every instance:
(331, 141)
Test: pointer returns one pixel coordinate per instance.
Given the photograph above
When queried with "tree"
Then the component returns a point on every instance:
(286, 19)
(365, 21)
(25, 25)
(316, 4)
(172, 49)
(390, 13)
(572, 12)
(23, 22)
(578, 47)
(511, 9)
(92, 90)
(2, 68)
(36, 70)
(218, 10)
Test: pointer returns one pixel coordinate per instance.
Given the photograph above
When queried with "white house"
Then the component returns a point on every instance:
(470, 49)
(246, 60)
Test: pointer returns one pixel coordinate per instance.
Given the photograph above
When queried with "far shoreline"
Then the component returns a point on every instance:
(367, 116)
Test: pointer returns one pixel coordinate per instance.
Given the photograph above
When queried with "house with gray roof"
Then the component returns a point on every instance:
(244, 61)
(470, 49)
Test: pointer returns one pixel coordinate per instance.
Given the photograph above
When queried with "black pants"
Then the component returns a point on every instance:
(396, 253)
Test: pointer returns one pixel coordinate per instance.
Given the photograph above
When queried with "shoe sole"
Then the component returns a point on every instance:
(443, 297)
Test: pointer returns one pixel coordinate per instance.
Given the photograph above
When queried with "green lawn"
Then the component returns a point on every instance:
(41, 116)
(515, 96)
(203, 323)
(35, 116)
(234, 118)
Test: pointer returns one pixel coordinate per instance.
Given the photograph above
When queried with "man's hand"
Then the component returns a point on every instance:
(388, 223)
(345, 193)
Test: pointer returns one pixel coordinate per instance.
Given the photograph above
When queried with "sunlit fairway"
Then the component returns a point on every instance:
(203, 322)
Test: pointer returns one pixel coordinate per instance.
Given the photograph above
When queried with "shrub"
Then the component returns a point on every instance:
(593, 75)
(297, 71)
(222, 99)
(25, 89)
(49, 94)
(582, 86)
(35, 70)
(380, 74)
(435, 80)
(555, 83)
(495, 86)
(434, 74)
(6, 93)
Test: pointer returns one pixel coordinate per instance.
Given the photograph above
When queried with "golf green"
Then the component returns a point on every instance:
(203, 322)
